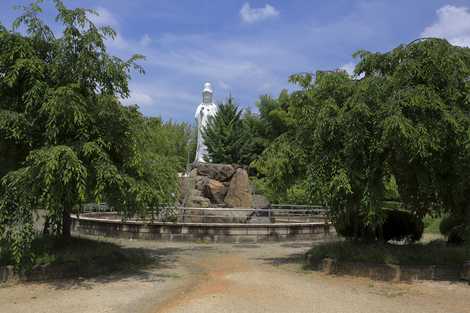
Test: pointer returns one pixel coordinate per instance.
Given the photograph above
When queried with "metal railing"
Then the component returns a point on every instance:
(275, 214)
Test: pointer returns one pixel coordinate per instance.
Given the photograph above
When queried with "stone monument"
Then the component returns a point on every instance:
(217, 185)
(203, 112)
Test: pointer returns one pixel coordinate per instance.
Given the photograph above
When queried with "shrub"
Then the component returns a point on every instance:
(402, 225)
(453, 227)
(398, 225)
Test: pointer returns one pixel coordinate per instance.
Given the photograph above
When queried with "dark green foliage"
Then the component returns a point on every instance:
(402, 225)
(398, 225)
(391, 189)
(225, 135)
(454, 228)
(280, 166)
(406, 118)
(418, 254)
(65, 136)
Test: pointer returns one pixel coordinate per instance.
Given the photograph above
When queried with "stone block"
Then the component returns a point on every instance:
(220, 172)
(261, 202)
(466, 271)
(215, 191)
(7, 273)
(329, 266)
(257, 231)
(238, 194)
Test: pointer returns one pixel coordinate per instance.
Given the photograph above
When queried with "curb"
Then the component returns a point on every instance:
(8, 274)
(392, 272)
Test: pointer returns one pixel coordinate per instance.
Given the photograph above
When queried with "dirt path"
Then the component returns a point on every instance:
(232, 278)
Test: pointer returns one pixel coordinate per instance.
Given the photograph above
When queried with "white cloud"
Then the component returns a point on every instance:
(349, 67)
(104, 17)
(224, 85)
(145, 40)
(138, 97)
(251, 15)
(162, 97)
(453, 24)
(119, 42)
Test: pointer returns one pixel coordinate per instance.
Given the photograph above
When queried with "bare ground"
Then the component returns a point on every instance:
(231, 278)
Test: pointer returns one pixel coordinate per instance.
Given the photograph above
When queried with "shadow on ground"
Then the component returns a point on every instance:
(86, 262)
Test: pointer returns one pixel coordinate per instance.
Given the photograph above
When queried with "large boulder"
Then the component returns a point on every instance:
(220, 172)
(196, 200)
(239, 194)
(215, 191)
(261, 202)
(200, 182)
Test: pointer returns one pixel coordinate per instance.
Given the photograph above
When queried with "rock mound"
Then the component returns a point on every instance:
(217, 185)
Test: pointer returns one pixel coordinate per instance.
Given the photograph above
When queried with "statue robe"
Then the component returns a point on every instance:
(203, 112)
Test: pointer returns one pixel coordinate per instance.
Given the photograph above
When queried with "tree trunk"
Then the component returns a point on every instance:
(66, 224)
(45, 230)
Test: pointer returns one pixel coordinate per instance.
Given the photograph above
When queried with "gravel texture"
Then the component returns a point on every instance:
(228, 278)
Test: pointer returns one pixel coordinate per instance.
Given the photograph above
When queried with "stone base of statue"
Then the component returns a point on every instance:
(219, 186)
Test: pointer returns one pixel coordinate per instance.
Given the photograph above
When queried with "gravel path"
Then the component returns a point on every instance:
(231, 278)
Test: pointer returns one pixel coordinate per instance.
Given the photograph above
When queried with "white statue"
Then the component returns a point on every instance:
(205, 110)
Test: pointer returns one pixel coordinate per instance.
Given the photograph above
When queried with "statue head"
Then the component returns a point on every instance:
(207, 93)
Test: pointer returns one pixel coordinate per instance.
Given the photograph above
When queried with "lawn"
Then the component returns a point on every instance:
(82, 257)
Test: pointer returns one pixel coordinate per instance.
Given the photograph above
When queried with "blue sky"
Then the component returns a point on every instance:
(251, 48)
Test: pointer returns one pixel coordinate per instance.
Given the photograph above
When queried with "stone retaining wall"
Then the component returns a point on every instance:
(7, 273)
(389, 272)
(214, 232)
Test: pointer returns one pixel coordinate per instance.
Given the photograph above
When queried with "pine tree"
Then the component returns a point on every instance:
(225, 135)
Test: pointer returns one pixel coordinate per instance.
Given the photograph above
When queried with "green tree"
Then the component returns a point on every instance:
(280, 164)
(225, 135)
(67, 138)
(405, 118)
(171, 139)
(264, 127)
(274, 115)
(281, 171)
(426, 124)
(339, 121)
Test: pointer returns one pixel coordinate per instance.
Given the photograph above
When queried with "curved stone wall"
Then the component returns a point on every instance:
(99, 225)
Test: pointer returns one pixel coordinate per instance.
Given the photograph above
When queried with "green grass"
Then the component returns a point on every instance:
(431, 224)
(82, 257)
(436, 252)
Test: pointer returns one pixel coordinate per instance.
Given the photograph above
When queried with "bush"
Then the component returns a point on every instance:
(402, 225)
(453, 227)
(398, 225)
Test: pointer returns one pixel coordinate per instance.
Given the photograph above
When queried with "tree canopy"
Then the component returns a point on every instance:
(224, 134)
(64, 135)
(405, 114)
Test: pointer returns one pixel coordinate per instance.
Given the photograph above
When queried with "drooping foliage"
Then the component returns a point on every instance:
(65, 139)
(404, 117)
